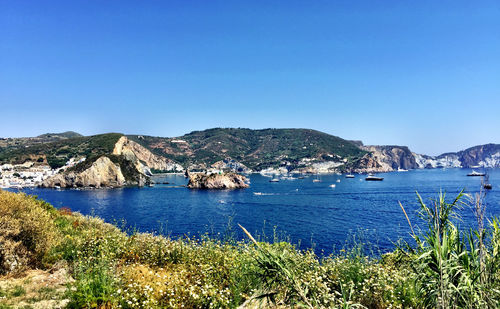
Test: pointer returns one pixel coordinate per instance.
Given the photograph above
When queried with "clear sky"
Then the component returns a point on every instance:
(420, 73)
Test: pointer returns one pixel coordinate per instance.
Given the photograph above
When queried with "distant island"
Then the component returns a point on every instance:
(70, 160)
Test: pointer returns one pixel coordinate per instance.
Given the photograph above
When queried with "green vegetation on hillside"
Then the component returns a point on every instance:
(59, 152)
(257, 149)
(67, 134)
(448, 268)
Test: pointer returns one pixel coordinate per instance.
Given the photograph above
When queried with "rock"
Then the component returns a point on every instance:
(217, 181)
(367, 164)
(143, 158)
(392, 158)
(102, 173)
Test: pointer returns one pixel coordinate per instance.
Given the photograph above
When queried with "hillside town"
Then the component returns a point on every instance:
(30, 174)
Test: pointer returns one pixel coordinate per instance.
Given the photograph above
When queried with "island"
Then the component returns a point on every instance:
(218, 181)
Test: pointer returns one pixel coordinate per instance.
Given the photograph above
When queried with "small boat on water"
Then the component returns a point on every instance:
(474, 173)
(300, 177)
(338, 180)
(316, 180)
(374, 178)
(332, 186)
(349, 176)
(274, 180)
(402, 170)
(488, 186)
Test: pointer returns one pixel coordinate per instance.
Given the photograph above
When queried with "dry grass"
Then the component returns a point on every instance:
(27, 232)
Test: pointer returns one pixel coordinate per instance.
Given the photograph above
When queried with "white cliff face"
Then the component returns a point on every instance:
(443, 161)
(143, 158)
(492, 161)
(326, 167)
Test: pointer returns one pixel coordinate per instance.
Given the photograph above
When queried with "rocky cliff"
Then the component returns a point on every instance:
(391, 158)
(217, 181)
(143, 159)
(483, 156)
(102, 173)
(128, 164)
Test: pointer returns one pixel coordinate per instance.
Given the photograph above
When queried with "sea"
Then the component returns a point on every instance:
(309, 214)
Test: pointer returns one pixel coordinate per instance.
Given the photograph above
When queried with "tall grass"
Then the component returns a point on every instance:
(457, 268)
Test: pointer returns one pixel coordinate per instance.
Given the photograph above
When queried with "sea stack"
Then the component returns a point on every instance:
(223, 181)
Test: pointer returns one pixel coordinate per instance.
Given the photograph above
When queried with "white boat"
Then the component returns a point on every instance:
(274, 180)
(402, 170)
(474, 173)
(349, 176)
(316, 180)
(332, 186)
(338, 180)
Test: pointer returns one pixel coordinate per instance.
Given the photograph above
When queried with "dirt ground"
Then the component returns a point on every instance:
(35, 289)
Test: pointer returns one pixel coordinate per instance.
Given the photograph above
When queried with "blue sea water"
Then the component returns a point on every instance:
(309, 214)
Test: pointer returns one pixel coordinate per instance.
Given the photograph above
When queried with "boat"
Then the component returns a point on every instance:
(338, 180)
(374, 178)
(274, 180)
(349, 176)
(316, 180)
(402, 170)
(332, 186)
(300, 177)
(474, 173)
(370, 174)
(488, 186)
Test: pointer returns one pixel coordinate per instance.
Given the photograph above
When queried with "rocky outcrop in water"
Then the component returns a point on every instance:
(102, 173)
(217, 181)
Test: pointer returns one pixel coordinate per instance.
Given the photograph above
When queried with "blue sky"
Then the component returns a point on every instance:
(420, 73)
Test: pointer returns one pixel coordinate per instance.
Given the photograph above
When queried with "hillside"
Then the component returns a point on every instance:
(63, 135)
(256, 149)
(57, 153)
(30, 141)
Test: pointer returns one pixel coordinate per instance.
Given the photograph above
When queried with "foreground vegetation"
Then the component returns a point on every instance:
(100, 266)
